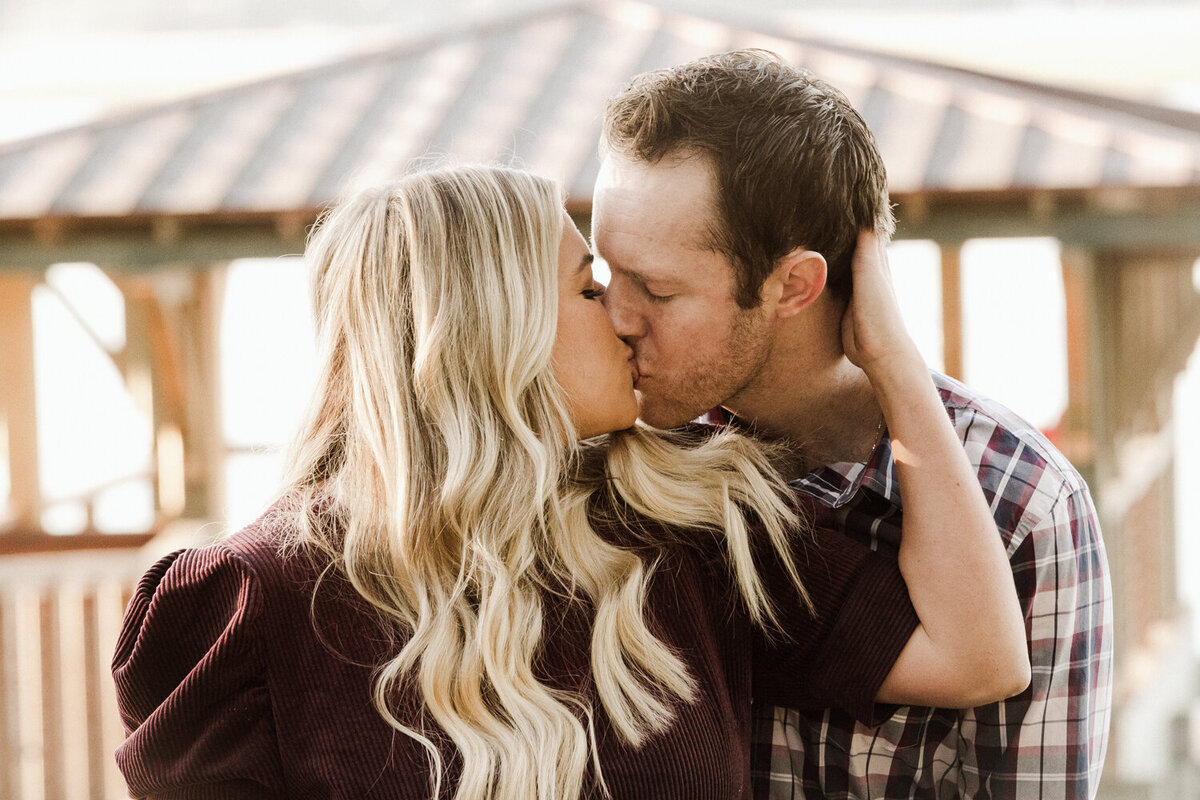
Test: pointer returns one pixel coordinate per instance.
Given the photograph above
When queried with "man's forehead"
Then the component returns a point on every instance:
(659, 207)
(675, 172)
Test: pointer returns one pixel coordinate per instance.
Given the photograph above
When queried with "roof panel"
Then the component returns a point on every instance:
(1156, 162)
(37, 176)
(159, 191)
(404, 131)
(1074, 159)
(603, 56)
(303, 139)
(483, 124)
(1115, 167)
(116, 175)
(1032, 156)
(362, 131)
(993, 128)
(235, 127)
(909, 131)
(105, 151)
(853, 75)
(948, 145)
(540, 134)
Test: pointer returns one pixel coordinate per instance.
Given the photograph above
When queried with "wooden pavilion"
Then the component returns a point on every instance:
(163, 198)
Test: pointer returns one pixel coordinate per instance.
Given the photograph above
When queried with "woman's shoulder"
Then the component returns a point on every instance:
(186, 604)
(194, 599)
(188, 637)
(188, 667)
(265, 545)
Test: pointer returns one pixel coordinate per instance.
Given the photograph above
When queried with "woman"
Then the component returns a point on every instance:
(484, 581)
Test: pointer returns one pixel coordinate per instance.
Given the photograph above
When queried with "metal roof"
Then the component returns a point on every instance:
(530, 88)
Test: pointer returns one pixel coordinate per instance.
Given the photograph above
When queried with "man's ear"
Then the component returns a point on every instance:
(801, 278)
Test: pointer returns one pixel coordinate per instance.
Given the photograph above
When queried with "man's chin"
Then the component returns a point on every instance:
(658, 415)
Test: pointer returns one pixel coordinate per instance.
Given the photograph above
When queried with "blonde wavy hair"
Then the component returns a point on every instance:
(438, 469)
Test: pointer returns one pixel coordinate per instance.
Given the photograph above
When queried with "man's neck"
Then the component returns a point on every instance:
(825, 407)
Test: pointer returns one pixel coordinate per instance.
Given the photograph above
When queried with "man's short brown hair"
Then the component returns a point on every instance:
(795, 165)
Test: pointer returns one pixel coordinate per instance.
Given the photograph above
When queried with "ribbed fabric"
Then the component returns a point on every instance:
(228, 689)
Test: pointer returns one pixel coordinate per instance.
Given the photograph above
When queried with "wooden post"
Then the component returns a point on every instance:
(1077, 420)
(172, 363)
(138, 357)
(204, 441)
(952, 331)
(111, 599)
(167, 323)
(29, 764)
(18, 408)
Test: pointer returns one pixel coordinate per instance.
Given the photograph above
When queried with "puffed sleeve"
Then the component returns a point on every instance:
(839, 656)
(190, 684)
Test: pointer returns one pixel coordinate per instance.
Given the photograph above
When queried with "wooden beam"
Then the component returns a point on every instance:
(952, 328)
(146, 245)
(1133, 218)
(26, 541)
(1161, 221)
(18, 406)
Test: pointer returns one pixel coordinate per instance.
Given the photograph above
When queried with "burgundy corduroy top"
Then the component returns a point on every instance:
(233, 683)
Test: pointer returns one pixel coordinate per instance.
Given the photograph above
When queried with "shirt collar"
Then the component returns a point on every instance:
(834, 484)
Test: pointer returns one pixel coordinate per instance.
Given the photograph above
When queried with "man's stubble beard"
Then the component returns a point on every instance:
(714, 380)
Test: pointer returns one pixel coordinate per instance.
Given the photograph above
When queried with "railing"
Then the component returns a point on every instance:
(60, 615)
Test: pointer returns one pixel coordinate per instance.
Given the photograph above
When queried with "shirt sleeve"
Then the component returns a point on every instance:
(1052, 736)
(190, 685)
(1055, 733)
(838, 654)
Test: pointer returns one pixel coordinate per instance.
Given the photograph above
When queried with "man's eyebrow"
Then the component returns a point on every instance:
(630, 274)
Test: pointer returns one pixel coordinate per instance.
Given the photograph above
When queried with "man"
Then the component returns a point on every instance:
(727, 208)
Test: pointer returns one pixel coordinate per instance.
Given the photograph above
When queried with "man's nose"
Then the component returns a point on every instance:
(628, 324)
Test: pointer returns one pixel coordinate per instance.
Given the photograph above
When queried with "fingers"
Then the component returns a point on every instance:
(874, 325)
(872, 276)
(870, 253)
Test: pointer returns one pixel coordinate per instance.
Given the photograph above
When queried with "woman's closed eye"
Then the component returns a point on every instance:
(594, 292)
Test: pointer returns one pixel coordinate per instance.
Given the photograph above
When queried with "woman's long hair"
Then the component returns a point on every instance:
(441, 448)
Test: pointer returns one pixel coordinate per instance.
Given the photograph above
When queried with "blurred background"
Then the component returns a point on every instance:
(160, 163)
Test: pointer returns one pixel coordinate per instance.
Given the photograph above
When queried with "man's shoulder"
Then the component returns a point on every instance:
(1002, 432)
(1017, 463)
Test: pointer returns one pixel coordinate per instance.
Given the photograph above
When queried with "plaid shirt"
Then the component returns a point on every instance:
(1046, 743)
